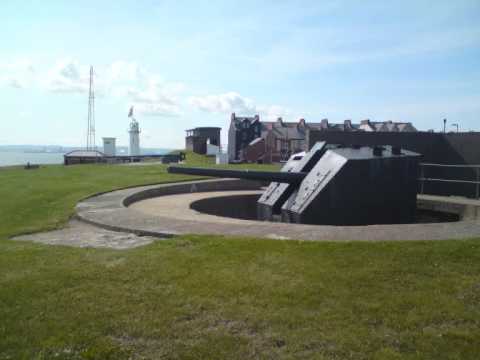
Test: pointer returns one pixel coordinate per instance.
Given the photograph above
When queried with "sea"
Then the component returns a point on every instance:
(10, 158)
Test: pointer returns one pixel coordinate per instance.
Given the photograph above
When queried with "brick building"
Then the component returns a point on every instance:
(281, 139)
(284, 138)
(242, 131)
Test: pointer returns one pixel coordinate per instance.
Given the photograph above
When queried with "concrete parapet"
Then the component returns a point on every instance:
(110, 211)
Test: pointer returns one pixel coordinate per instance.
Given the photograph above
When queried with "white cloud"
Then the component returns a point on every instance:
(156, 109)
(223, 103)
(123, 71)
(144, 90)
(67, 76)
(16, 83)
(147, 92)
(155, 98)
(19, 73)
(234, 102)
(273, 112)
(17, 65)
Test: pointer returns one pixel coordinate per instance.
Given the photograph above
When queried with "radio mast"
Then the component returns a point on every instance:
(91, 144)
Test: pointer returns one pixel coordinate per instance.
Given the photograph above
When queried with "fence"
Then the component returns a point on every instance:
(437, 179)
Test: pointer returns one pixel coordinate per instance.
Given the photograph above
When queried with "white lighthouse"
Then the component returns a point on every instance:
(134, 132)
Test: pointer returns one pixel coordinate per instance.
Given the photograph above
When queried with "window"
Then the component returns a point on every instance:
(278, 145)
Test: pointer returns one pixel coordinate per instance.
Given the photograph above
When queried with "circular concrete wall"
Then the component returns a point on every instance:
(165, 210)
(244, 206)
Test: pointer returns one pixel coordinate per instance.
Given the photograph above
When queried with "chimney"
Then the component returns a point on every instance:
(301, 123)
(324, 124)
(347, 124)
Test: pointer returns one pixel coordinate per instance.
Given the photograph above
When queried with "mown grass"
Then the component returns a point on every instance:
(209, 297)
(42, 199)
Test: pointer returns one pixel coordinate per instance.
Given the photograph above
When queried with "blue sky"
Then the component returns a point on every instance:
(191, 63)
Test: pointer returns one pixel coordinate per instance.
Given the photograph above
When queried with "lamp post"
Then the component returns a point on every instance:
(444, 125)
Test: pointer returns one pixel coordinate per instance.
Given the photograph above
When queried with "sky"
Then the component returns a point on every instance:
(183, 64)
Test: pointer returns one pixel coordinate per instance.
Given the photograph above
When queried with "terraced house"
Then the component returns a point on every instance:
(252, 140)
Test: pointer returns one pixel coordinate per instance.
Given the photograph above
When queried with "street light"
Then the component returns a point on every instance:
(444, 125)
(456, 125)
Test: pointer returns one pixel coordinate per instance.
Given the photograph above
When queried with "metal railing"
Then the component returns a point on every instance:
(475, 168)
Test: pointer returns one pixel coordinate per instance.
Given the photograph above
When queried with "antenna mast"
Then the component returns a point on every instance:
(91, 144)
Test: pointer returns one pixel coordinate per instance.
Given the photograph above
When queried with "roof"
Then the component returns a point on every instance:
(84, 153)
(389, 126)
(297, 130)
(243, 118)
(284, 130)
(343, 127)
(205, 128)
(406, 126)
(238, 121)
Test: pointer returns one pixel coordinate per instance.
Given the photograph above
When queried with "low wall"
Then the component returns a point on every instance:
(187, 187)
(245, 206)
(450, 148)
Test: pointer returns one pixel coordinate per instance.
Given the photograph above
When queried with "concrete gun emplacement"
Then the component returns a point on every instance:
(334, 185)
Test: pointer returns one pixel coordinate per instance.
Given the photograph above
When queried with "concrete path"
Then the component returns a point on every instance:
(80, 234)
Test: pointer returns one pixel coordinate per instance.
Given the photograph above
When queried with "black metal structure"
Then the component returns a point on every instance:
(283, 177)
(333, 185)
(277, 193)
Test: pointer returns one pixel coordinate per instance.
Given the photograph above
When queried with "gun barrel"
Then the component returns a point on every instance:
(272, 176)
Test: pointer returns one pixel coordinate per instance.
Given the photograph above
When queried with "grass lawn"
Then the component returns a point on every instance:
(209, 297)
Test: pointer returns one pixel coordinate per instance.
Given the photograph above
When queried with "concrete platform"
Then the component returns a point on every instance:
(121, 211)
(80, 234)
(178, 206)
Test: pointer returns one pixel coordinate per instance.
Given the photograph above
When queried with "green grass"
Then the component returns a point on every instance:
(209, 297)
(42, 199)
(199, 160)
(194, 159)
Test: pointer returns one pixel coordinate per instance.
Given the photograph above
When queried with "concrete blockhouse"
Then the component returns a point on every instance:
(109, 146)
(196, 139)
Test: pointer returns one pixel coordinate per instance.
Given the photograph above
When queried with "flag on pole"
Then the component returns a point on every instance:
(130, 113)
